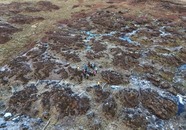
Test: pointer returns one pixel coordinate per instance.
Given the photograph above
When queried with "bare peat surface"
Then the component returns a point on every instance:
(108, 69)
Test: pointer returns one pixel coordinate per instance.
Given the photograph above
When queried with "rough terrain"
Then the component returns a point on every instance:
(93, 65)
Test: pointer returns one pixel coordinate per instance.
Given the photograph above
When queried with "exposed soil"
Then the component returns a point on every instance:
(92, 65)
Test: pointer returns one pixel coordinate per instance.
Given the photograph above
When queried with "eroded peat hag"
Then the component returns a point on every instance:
(106, 68)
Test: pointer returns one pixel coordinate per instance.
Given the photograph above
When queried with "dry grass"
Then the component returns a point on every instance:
(35, 31)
